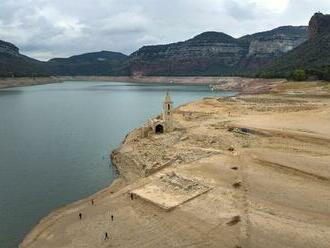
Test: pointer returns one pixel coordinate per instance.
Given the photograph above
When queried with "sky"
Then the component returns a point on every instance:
(45, 29)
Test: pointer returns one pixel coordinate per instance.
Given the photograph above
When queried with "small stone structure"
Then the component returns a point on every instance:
(162, 124)
(171, 190)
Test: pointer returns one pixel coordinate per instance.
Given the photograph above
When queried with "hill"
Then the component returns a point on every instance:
(12, 63)
(313, 56)
(90, 64)
(216, 53)
(207, 54)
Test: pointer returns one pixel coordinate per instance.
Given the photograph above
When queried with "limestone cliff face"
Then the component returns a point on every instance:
(275, 42)
(200, 55)
(213, 53)
(273, 47)
(314, 54)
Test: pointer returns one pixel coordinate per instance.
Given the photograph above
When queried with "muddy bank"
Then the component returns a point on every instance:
(27, 81)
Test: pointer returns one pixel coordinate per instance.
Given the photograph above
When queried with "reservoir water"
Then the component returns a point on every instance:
(55, 142)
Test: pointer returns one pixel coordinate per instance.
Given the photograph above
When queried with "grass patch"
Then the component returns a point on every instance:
(298, 85)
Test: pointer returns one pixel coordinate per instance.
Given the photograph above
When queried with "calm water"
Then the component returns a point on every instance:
(55, 142)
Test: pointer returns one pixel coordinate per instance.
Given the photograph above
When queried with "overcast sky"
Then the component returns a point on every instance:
(45, 29)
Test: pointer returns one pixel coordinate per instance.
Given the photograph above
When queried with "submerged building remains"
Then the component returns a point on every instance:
(161, 124)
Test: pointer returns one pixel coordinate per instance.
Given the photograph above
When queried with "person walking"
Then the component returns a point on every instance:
(92, 201)
(106, 236)
(111, 217)
(80, 216)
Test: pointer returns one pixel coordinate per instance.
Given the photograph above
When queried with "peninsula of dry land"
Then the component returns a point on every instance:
(246, 171)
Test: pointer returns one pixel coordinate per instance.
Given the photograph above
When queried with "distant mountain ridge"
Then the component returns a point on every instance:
(209, 53)
(216, 53)
(8, 48)
(91, 57)
(97, 63)
(191, 57)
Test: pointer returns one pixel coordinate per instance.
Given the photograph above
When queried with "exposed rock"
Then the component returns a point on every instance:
(276, 42)
(213, 53)
(234, 220)
(201, 55)
(318, 24)
(312, 54)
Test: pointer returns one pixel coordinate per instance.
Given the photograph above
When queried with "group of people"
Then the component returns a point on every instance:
(106, 235)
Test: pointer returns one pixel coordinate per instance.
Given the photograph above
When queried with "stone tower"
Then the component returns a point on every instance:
(167, 112)
(167, 107)
(163, 123)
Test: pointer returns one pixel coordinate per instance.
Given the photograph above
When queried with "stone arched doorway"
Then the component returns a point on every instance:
(159, 128)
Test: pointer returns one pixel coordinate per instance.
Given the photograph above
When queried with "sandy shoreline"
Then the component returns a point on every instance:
(280, 199)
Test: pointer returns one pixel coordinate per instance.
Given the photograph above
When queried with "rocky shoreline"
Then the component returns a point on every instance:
(235, 172)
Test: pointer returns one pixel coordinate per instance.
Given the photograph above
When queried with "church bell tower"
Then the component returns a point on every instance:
(167, 113)
(167, 107)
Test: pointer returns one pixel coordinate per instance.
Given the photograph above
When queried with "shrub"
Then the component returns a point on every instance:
(326, 74)
(299, 75)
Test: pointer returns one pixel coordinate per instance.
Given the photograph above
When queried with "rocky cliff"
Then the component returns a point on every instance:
(318, 25)
(200, 55)
(312, 56)
(214, 53)
(275, 42)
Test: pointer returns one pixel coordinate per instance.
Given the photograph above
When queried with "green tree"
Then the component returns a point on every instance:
(299, 75)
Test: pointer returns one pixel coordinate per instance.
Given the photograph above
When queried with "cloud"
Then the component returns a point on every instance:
(241, 10)
(55, 28)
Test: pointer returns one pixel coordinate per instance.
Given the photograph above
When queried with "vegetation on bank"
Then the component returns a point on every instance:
(322, 73)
